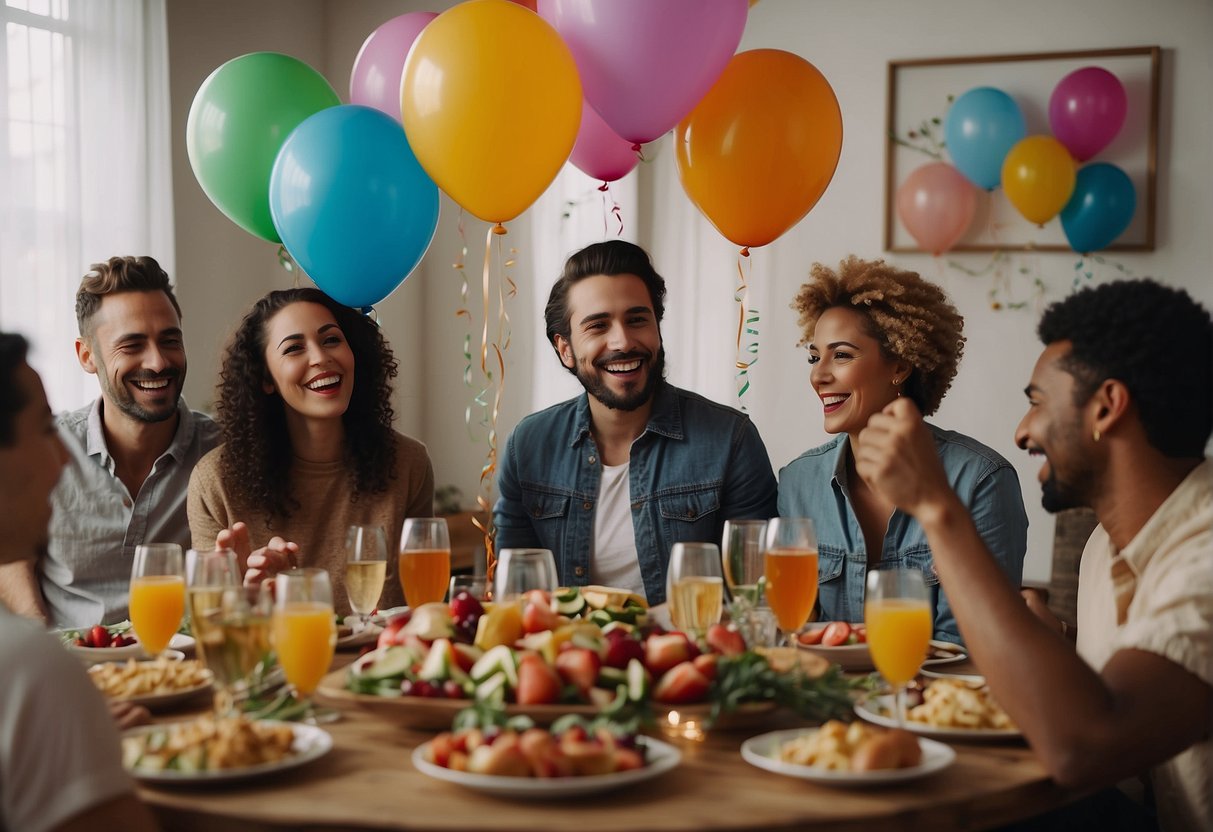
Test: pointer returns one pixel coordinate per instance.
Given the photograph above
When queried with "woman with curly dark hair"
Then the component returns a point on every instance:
(875, 333)
(304, 404)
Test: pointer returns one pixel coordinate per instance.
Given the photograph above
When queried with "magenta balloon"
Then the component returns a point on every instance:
(1087, 110)
(644, 64)
(936, 204)
(600, 153)
(375, 81)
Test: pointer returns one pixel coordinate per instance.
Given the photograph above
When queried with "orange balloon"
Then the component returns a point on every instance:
(1038, 176)
(760, 149)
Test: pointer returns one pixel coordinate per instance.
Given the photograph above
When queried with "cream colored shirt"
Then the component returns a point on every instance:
(1156, 595)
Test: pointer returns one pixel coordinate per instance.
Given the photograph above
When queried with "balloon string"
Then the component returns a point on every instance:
(287, 263)
(747, 323)
(465, 313)
(613, 209)
(639, 151)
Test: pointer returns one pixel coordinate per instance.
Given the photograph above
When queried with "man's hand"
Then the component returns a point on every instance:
(277, 556)
(129, 715)
(897, 458)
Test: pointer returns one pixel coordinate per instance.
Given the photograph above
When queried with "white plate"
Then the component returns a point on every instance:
(93, 655)
(857, 657)
(382, 616)
(971, 678)
(882, 714)
(310, 743)
(763, 752)
(661, 758)
(369, 635)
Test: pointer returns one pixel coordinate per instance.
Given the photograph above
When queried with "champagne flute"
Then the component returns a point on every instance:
(157, 595)
(791, 572)
(521, 570)
(897, 612)
(208, 576)
(365, 570)
(694, 586)
(304, 633)
(425, 560)
(743, 548)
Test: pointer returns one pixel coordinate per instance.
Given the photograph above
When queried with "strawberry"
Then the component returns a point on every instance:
(725, 640)
(98, 636)
(812, 636)
(538, 683)
(538, 616)
(681, 684)
(578, 666)
(621, 648)
(706, 664)
(836, 634)
(664, 651)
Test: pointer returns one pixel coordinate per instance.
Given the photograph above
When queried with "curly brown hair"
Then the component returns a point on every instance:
(911, 318)
(256, 444)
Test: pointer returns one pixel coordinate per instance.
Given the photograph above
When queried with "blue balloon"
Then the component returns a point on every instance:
(981, 128)
(352, 204)
(1100, 209)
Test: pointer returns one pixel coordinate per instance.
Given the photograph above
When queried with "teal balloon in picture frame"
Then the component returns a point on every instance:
(1100, 209)
(981, 128)
(352, 203)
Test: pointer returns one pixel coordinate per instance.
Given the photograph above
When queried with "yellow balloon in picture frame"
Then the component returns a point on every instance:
(1038, 176)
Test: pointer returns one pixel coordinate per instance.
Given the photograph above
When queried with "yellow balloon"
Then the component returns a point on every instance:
(491, 104)
(1038, 175)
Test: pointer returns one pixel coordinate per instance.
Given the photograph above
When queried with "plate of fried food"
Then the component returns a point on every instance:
(211, 750)
(155, 683)
(951, 709)
(837, 754)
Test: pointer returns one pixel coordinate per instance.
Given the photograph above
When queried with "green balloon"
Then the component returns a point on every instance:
(240, 118)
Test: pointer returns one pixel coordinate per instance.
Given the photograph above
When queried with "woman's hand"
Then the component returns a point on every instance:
(276, 556)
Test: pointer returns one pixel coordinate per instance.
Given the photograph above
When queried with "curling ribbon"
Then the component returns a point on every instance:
(747, 324)
(605, 189)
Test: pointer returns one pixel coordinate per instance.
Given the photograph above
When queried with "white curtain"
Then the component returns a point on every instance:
(84, 163)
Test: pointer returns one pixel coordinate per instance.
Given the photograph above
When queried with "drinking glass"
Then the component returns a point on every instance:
(897, 612)
(304, 632)
(157, 595)
(694, 586)
(521, 570)
(425, 560)
(743, 547)
(790, 565)
(475, 585)
(365, 570)
(208, 576)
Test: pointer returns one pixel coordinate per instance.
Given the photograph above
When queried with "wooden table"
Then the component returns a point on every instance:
(368, 782)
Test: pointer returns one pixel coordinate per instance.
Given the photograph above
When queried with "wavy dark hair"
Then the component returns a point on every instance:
(12, 401)
(1155, 339)
(256, 444)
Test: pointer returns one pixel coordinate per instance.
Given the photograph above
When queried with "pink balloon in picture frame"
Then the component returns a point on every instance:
(375, 80)
(1087, 110)
(600, 152)
(936, 204)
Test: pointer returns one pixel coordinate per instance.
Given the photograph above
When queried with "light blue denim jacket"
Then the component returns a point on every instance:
(815, 485)
(696, 465)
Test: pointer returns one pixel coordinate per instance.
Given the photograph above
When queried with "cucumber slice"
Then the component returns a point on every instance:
(496, 659)
(492, 690)
(571, 603)
(609, 677)
(437, 664)
(638, 681)
(394, 661)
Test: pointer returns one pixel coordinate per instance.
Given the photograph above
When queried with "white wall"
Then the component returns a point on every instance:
(221, 269)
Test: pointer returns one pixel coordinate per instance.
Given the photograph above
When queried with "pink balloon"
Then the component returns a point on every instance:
(375, 81)
(644, 64)
(1087, 110)
(936, 204)
(600, 153)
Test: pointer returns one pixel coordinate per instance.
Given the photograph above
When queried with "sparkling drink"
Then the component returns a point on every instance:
(305, 636)
(695, 602)
(364, 584)
(424, 575)
(899, 630)
(231, 639)
(157, 603)
(791, 585)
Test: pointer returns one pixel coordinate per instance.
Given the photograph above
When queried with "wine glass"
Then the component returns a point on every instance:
(208, 576)
(521, 570)
(365, 570)
(791, 572)
(425, 560)
(743, 547)
(476, 586)
(694, 586)
(897, 612)
(304, 632)
(157, 595)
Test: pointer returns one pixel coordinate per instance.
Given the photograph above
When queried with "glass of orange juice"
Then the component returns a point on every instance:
(425, 560)
(305, 632)
(790, 562)
(157, 596)
(897, 612)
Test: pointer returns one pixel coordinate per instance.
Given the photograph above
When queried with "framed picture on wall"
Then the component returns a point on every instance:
(921, 91)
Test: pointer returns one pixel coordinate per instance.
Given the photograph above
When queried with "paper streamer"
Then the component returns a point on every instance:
(747, 324)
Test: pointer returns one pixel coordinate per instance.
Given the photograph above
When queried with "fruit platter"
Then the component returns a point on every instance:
(588, 650)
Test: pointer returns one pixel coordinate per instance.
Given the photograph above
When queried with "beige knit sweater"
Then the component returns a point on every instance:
(326, 510)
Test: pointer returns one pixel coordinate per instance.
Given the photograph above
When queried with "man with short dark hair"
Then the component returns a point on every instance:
(610, 480)
(132, 450)
(1120, 405)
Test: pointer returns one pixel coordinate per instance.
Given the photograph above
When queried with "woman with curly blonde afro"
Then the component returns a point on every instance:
(875, 333)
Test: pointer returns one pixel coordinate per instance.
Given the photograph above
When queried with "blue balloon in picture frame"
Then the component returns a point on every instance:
(352, 203)
(1100, 209)
(981, 128)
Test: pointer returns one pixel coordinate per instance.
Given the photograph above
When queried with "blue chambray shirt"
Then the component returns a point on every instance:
(814, 485)
(697, 464)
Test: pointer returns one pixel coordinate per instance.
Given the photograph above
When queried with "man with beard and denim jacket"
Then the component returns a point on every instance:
(610, 480)
(131, 451)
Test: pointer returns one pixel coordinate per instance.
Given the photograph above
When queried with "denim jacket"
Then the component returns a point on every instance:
(815, 485)
(696, 465)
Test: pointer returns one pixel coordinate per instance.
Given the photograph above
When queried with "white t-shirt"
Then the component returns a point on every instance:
(615, 562)
(59, 750)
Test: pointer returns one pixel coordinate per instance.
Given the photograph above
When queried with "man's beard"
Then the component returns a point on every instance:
(125, 402)
(595, 385)
(1058, 495)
